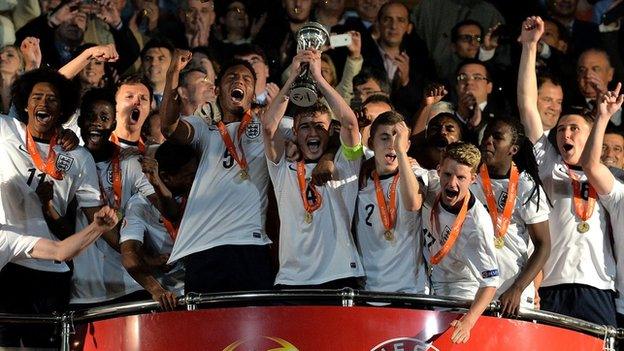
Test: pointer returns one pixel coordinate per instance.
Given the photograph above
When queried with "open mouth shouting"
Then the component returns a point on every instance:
(451, 194)
(135, 114)
(237, 95)
(314, 144)
(567, 149)
(390, 157)
(43, 116)
(95, 136)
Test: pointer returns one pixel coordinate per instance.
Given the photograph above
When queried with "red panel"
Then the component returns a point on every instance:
(319, 328)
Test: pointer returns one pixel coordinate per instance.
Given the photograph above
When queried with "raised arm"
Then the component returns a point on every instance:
(410, 193)
(104, 220)
(599, 176)
(271, 118)
(532, 29)
(349, 131)
(106, 53)
(172, 128)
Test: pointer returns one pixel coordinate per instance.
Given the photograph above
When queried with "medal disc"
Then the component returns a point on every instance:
(243, 174)
(119, 215)
(389, 235)
(499, 242)
(307, 218)
(582, 227)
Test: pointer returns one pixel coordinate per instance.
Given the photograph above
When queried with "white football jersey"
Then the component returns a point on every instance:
(222, 208)
(527, 210)
(14, 246)
(99, 274)
(143, 223)
(614, 203)
(471, 263)
(20, 207)
(575, 258)
(396, 265)
(323, 250)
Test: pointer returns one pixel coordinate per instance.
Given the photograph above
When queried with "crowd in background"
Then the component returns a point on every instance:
(177, 114)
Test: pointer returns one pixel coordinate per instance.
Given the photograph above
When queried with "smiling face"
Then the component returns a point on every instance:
(44, 109)
(613, 150)
(498, 145)
(549, 101)
(572, 133)
(312, 134)
(10, 61)
(236, 90)
(443, 130)
(455, 180)
(133, 106)
(97, 124)
(93, 73)
(154, 64)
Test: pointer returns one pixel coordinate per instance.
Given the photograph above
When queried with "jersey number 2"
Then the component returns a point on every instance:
(370, 208)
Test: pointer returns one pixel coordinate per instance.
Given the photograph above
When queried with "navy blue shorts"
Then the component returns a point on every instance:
(229, 268)
(580, 301)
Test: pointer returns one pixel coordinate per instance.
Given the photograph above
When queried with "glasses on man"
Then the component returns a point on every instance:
(467, 38)
(464, 78)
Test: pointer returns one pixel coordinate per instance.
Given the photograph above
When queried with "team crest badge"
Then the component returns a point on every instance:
(253, 130)
(64, 163)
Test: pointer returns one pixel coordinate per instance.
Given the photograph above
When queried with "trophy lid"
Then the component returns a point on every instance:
(312, 35)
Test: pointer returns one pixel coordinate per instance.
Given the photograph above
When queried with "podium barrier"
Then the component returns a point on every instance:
(292, 320)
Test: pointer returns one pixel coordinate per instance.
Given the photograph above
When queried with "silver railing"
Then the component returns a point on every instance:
(345, 297)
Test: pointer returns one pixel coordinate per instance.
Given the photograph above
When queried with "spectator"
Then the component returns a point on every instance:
(329, 13)
(584, 35)
(549, 100)
(406, 65)
(368, 82)
(372, 107)
(62, 33)
(613, 149)
(13, 62)
(195, 90)
(155, 58)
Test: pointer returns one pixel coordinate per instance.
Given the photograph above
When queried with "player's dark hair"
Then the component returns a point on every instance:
(172, 157)
(91, 97)
(68, 93)
(524, 158)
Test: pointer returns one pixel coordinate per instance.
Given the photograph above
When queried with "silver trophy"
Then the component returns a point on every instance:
(303, 91)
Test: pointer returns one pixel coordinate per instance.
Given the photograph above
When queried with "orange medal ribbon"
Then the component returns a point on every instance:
(582, 208)
(116, 171)
(455, 229)
(229, 144)
(141, 144)
(49, 167)
(172, 229)
(309, 207)
(388, 216)
(500, 224)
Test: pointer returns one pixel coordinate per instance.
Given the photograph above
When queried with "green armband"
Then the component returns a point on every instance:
(352, 153)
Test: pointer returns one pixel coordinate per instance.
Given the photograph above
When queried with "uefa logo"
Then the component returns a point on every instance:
(404, 344)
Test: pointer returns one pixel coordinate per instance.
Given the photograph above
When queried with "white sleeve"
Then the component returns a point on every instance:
(199, 132)
(545, 155)
(133, 226)
(614, 201)
(88, 189)
(141, 184)
(486, 55)
(533, 211)
(18, 246)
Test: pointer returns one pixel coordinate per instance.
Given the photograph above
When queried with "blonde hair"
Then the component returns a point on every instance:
(464, 153)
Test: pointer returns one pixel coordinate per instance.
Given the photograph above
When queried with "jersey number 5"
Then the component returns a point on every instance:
(31, 176)
(228, 160)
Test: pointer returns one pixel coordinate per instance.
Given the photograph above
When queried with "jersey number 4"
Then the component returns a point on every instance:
(32, 174)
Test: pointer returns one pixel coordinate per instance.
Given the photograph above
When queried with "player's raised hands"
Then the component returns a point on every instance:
(532, 30)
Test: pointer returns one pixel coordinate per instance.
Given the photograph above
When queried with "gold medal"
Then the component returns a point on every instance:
(582, 227)
(308, 217)
(119, 215)
(243, 174)
(499, 242)
(389, 235)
